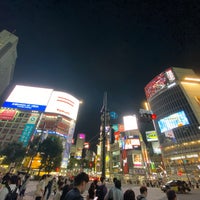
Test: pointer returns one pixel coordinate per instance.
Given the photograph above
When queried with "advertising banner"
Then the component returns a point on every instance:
(26, 134)
(28, 98)
(7, 114)
(130, 122)
(28, 129)
(137, 160)
(64, 104)
(151, 136)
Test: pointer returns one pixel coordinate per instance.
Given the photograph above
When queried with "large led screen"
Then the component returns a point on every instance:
(151, 136)
(28, 98)
(137, 160)
(131, 143)
(130, 122)
(156, 147)
(173, 121)
(64, 104)
(159, 82)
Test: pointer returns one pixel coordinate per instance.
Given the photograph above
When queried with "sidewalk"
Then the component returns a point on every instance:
(31, 187)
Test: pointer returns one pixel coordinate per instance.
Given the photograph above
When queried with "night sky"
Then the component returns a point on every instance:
(87, 47)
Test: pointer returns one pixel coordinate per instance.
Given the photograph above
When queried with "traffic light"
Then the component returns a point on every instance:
(153, 116)
(112, 136)
(148, 116)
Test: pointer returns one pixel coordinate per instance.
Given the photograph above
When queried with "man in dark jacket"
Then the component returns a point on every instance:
(80, 182)
(101, 189)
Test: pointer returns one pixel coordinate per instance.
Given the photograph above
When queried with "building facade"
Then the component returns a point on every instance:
(29, 111)
(174, 96)
(8, 56)
(126, 158)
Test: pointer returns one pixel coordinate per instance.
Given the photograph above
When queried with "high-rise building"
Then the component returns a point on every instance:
(79, 145)
(8, 55)
(32, 110)
(174, 96)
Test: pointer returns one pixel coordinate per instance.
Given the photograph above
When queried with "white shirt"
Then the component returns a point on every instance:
(4, 190)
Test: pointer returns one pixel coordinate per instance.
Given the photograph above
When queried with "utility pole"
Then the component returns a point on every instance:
(103, 120)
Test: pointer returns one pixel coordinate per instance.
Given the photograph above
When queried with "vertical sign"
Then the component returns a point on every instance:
(28, 129)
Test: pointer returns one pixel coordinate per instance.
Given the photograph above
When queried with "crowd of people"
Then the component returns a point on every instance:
(13, 186)
(66, 189)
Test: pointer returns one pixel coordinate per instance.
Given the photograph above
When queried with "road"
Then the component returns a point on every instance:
(153, 193)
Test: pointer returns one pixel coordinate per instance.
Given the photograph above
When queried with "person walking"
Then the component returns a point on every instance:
(143, 193)
(65, 189)
(129, 195)
(40, 187)
(101, 189)
(10, 183)
(117, 192)
(92, 190)
(58, 194)
(80, 183)
(23, 186)
(48, 187)
(110, 192)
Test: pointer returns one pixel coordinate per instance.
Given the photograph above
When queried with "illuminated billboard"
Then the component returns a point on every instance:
(159, 82)
(130, 122)
(173, 121)
(64, 104)
(7, 114)
(28, 129)
(151, 136)
(137, 160)
(131, 143)
(28, 98)
(156, 147)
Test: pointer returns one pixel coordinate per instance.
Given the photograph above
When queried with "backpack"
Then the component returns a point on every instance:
(12, 195)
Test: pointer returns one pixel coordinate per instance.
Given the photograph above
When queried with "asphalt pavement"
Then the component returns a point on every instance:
(153, 193)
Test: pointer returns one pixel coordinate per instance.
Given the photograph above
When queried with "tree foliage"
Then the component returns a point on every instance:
(13, 152)
(80, 163)
(51, 153)
(34, 146)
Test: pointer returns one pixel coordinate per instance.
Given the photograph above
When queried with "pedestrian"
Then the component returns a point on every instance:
(65, 189)
(80, 182)
(143, 193)
(92, 189)
(117, 192)
(40, 187)
(48, 188)
(110, 192)
(171, 195)
(129, 195)
(58, 194)
(10, 182)
(101, 189)
(23, 186)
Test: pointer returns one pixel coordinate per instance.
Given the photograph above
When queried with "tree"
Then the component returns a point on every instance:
(13, 152)
(51, 153)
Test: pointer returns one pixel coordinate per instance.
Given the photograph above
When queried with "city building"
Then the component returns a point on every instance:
(8, 56)
(32, 110)
(79, 145)
(174, 96)
(126, 157)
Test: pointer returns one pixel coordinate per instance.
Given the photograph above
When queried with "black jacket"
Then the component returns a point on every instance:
(73, 194)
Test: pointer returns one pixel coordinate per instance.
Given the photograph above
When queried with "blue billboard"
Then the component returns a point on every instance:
(24, 106)
(173, 121)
